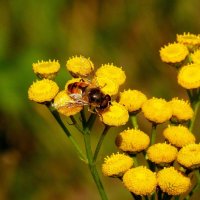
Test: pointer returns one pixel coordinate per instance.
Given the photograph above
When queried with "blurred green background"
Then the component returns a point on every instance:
(37, 162)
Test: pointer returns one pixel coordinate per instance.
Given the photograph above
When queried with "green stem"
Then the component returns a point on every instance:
(73, 141)
(134, 156)
(76, 124)
(136, 197)
(91, 120)
(177, 197)
(153, 133)
(106, 128)
(195, 107)
(134, 121)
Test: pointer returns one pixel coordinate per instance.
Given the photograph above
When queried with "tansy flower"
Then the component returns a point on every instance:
(157, 110)
(112, 72)
(189, 156)
(43, 91)
(173, 53)
(173, 182)
(189, 76)
(116, 164)
(140, 181)
(66, 105)
(178, 106)
(116, 115)
(132, 99)
(188, 39)
(196, 57)
(132, 140)
(46, 69)
(162, 153)
(80, 66)
(107, 85)
(179, 136)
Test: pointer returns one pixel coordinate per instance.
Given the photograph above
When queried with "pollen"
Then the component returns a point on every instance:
(43, 91)
(116, 164)
(179, 136)
(157, 110)
(140, 181)
(162, 153)
(172, 181)
(196, 57)
(132, 99)
(116, 115)
(189, 76)
(188, 39)
(189, 156)
(178, 106)
(46, 69)
(132, 140)
(112, 72)
(173, 53)
(80, 66)
(66, 105)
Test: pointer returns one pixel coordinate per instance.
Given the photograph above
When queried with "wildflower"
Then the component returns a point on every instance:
(178, 106)
(80, 66)
(116, 164)
(66, 105)
(112, 72)
(43, 91)
(116, 115)
(179, 136)
(157, 110)
(161, 153)
(132, 140)
(140, 181)
(132, 99)
(196, 57)
(188, 39)
(173, 53)
(46, 69)
(107, 85)
(189, 76)
(189, 156)
(173, 182)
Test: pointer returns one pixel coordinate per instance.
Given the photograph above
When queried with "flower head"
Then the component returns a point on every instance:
(140, 181)
(188, 39)
(189, 156)
(173, 182)
(132, 140)
(80, 66)
(177, 109)
(116, 164)
(189, 76)
(196, 57)
(179, 136)
(162, 153)
(173, 53)
(112, 72)
(43, 91)
(46, 69)
(157, 110)
(66, 105)
(132, 99)
(116, 115)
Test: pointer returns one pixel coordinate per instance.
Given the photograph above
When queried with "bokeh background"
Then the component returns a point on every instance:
(37, 162)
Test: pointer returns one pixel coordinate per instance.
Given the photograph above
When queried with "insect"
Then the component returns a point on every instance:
(86, 93)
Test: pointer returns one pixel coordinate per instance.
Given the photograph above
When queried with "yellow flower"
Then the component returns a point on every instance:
(116, 115)
(107, 85)
(188, 39)
(140, 181)
(43, 91)
(157, 110)
(80, 66)
(132, 140)
(173, 53)
(116, 164)
(66, 105)
(46, 69)
(173, 182)
(132, 99)
(196, 57)
(189, 76)
(112, 72)
(161, 153)
(189, 156)
(178, 106)
(179, 136)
